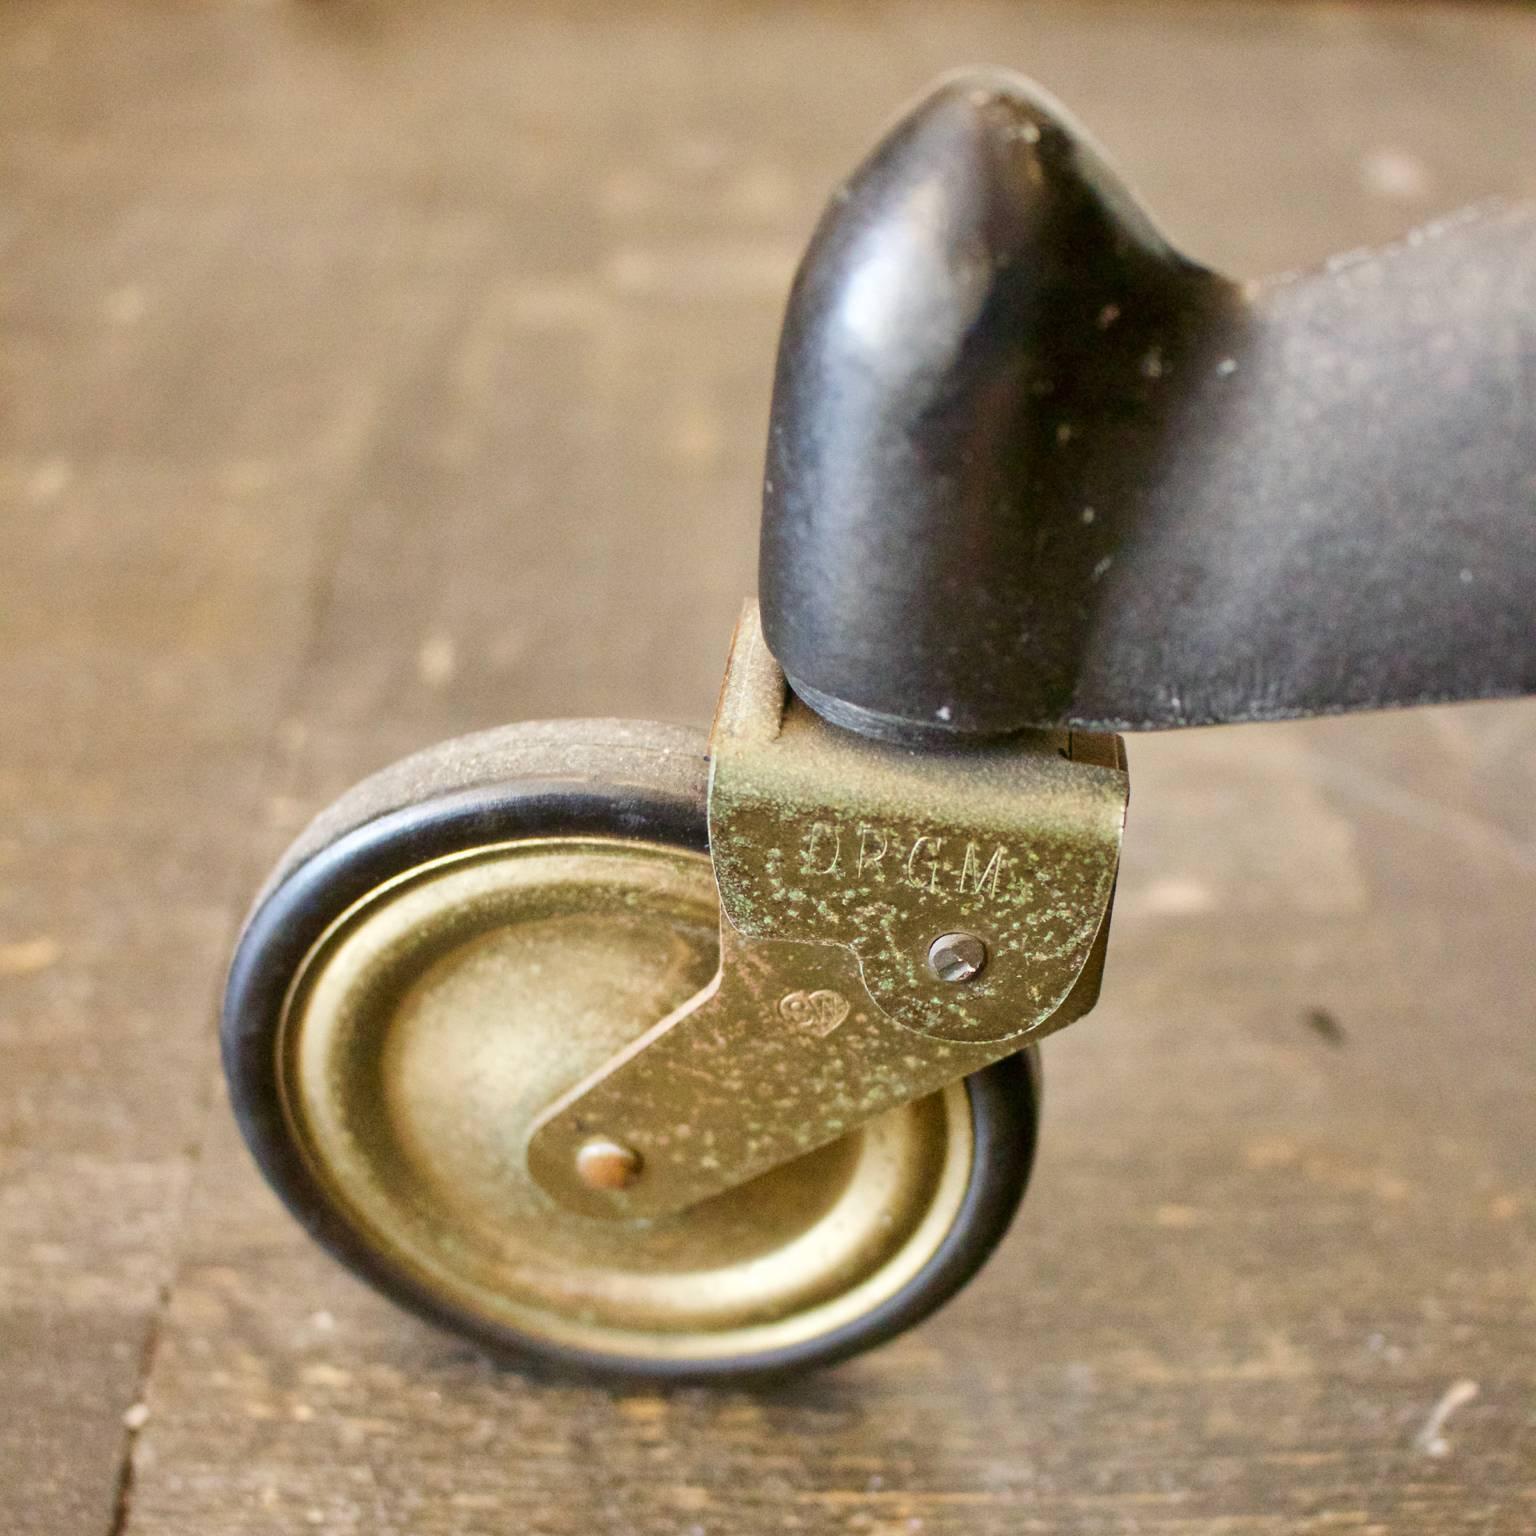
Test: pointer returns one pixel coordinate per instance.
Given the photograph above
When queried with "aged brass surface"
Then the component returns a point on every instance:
(437, 1018)
(826, 837)
(840, 863)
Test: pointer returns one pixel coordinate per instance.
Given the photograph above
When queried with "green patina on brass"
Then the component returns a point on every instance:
(840, 861)
(825, 837)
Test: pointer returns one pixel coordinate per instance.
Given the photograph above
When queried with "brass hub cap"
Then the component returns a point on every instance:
(432, 1024)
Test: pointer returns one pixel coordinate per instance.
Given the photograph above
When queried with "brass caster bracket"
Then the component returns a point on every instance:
(891, 920)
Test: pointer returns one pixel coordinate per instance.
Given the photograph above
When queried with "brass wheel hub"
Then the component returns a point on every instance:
(436, 1020)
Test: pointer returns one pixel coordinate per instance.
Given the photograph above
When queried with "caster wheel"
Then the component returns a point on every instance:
(465, 936)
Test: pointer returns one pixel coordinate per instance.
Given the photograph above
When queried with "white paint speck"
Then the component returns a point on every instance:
(1103, 566)
(1378, 1344)
(1395, 174)
(1466, 577)
(1108, 315)
(136, 1417)
(1088, 515)
(945, 713)
(1227, 367)
(1152, 364)
(321, 1322)
(1430, 1439)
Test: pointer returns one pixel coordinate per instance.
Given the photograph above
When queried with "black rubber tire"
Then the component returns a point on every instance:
(545, 779)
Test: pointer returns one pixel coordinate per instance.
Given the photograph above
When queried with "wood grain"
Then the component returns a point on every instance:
(373, 373)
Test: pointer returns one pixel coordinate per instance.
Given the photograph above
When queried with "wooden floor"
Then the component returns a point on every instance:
(371, 373)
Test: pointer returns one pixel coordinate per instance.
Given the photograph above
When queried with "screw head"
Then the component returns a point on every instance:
(957, 957)
(606, 1164)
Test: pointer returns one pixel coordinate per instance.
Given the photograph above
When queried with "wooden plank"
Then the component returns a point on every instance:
(374, 374)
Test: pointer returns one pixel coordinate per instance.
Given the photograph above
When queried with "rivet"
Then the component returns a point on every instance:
(957, 956)
(605, 1164)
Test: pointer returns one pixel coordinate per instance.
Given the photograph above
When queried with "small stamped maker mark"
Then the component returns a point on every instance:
(938, 865)
(814, 1013)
